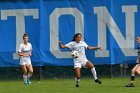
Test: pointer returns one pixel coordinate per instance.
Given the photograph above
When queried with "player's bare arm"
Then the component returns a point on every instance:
(24, 55)
(61, 45)
(30, 53)
(93, 48)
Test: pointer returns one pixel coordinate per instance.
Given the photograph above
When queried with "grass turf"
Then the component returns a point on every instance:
(115, 85)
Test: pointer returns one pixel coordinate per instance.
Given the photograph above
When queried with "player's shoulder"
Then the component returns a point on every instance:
(21, 44)
(29, 44)
(83, 42)
(72, 42)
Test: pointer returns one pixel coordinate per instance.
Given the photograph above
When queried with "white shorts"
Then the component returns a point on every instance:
(80, 63)
(25, 62)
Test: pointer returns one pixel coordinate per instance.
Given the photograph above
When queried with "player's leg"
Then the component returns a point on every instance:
(93, 71)
(77, 75)
(30, 68)
(25, 76)
(138, 69)
(133, 73)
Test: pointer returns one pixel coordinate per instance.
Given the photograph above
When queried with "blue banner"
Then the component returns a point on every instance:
(113, 25)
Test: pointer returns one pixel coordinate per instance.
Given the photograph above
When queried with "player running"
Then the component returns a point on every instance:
(81, 61)
(25, 51)
(136, 69)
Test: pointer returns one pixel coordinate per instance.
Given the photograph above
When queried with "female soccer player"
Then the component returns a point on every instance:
(136, 69)
(77, 45)
(25, 51)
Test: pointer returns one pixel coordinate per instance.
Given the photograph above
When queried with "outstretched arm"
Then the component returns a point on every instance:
(61, 45)
(93, 48)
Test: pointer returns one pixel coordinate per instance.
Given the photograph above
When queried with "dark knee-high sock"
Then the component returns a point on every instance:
(132, 78)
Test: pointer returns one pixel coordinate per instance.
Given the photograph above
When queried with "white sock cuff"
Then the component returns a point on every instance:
(93, 68)
(29, 75)
(77, 79)
(25, 76)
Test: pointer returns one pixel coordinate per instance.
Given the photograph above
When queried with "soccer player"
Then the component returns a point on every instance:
(25, 51)
(77, 45)
(136, 69)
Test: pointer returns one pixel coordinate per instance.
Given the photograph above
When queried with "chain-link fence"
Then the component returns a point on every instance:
(58, 72)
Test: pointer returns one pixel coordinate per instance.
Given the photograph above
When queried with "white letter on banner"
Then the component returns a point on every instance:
(54, 29)
(105, 19)
(20, 22)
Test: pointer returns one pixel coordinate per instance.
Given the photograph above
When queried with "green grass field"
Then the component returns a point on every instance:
(115, 85)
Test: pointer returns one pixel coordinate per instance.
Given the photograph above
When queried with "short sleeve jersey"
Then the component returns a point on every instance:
(79, 47)
(25, 49)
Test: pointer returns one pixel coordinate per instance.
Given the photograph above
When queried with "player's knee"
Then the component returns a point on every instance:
(25, 72)
(91, 66)
(78, 76)
(133, 72)
(138, 72)
(31, 72)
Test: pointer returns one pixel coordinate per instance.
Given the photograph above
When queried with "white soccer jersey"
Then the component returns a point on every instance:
(79, 47)
(25, 49)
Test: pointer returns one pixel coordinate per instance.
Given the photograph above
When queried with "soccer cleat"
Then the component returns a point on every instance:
(98, 81)
(77, 85)
(130, 85)
(28, 81)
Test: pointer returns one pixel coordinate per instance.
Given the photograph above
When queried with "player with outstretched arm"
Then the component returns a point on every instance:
(78, 52)
(25, 51)
(136, 69)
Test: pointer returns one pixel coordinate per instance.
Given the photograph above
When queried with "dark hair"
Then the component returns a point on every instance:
(25, 35)
(76, 36)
